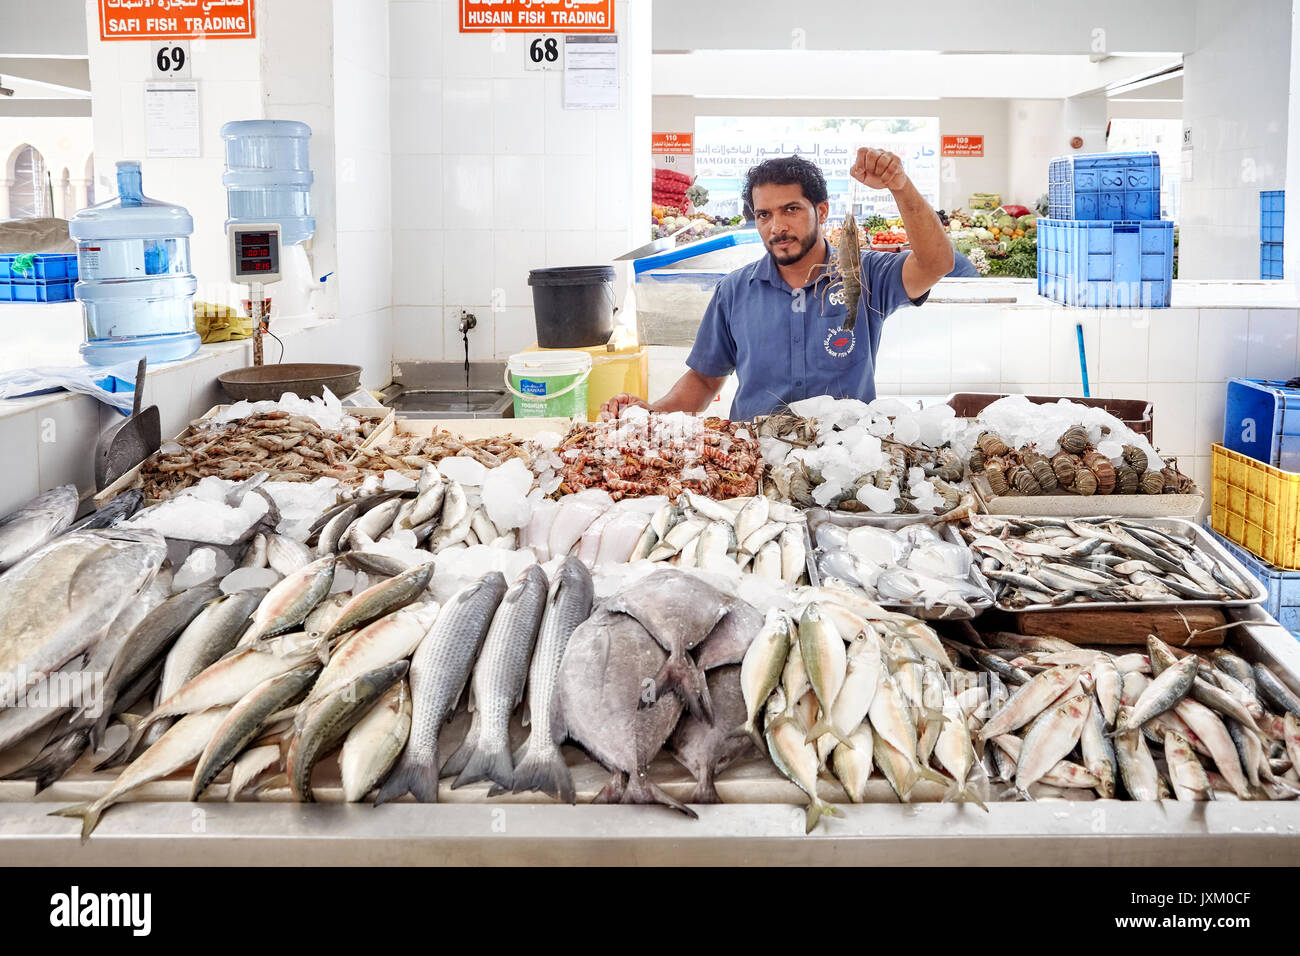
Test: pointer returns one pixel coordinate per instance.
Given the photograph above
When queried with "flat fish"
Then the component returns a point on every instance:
(603, 679)
(679, 611)
(706, 748)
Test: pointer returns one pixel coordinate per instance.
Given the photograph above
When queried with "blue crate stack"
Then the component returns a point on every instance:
(38, 277)
(1272, 206)
(1104, 244)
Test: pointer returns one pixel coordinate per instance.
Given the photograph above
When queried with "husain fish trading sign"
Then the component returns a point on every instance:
(176, 19)
(537, 16)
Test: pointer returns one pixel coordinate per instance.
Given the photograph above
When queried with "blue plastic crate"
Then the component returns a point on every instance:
(1262, 421)
(1270, 260)
(1111, 187)
(1283, 586)
(1115, 265)
(38, 266)
(1272, 209)
(36, 290)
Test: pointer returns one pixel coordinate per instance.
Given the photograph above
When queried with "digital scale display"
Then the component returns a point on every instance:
(256, 254)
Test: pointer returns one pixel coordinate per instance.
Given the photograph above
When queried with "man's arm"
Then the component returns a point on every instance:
(692, 392)
(932, 256)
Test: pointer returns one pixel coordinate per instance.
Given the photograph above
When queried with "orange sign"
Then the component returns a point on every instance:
(537, 16)
(670, 144)
(963, 146)
(176, 19)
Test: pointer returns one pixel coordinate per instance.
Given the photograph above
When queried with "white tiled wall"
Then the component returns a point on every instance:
(492, 177)
(1236, 97)
(1177, 359)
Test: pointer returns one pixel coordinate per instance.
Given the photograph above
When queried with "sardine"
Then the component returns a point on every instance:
(1030, 700)
(1162, 694)
(1210, 729)
(1050, 737)
(1098, 750)
(1274, 692)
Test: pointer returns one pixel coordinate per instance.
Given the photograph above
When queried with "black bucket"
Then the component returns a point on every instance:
(573, 306)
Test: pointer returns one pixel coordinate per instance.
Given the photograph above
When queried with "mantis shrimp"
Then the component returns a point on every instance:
(846, 269)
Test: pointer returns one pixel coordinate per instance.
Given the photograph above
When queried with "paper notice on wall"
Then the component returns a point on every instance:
(171, 120)
(591, 73)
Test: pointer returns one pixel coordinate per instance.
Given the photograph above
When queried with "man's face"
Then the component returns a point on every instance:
(787, 222)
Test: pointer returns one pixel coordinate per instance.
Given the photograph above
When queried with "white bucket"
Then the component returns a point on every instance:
(549, 384)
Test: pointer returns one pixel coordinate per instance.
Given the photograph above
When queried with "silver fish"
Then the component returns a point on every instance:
(244, 721)
(440, 669)
(285, 555)
(568, 604)
(1050, 737)
(760, 671)
(332, 533)
(209, 636)
(255, 555)
(179, 746)
(373, 745)
(329, 721)
(288, 603)
(1136, 767)
(381, 599)
(36, 522)
(1162, 693)
(498, 683)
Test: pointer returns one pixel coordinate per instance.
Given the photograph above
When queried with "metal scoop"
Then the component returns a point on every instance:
(122, 447)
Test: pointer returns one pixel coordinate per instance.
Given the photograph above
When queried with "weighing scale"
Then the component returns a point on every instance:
(255, 260)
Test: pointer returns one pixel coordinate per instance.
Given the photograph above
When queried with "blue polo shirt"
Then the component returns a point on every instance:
(786, 344)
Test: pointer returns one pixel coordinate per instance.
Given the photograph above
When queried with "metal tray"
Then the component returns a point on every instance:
(1189, 532)
(940, 612)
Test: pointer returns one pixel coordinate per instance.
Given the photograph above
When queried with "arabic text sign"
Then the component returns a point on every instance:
(963, 146)
(176, 19)
(671, 144)
(537, 16)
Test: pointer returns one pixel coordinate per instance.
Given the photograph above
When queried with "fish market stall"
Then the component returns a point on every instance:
(794, 639)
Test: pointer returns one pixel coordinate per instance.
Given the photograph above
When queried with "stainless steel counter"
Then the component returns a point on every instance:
(763, 824)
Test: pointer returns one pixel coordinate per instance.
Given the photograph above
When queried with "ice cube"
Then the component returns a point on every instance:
(879, 500)
(199, 568)
(505, 491)
(907, 429)
(396, 481)
(1111, 449)
(467, 471)
(827, 490)
(344, 579)
(241, 579)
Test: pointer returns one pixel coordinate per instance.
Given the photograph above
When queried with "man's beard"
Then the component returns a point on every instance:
(791, 258)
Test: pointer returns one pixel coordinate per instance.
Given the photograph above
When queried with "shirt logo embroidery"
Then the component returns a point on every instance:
(840, 343)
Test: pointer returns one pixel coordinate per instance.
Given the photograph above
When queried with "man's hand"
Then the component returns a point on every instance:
(613, 408)
(879, 169)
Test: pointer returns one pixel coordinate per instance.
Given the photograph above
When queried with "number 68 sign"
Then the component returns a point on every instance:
(543, 53)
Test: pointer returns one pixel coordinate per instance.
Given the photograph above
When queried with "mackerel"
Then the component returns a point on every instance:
(288, 603)
(1162, 694)
(329, 721)
(380, 599)
(373, 745)
(1030, 700)
(1051, 736)
(244, 721)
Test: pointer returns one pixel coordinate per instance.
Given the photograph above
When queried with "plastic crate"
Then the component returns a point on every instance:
(1283, 586)
(1110, 187)
(1270, 260)
(37, 290)
(1256, 506)
(38, 266)
(1116, 265)
(1272, 207)
(1262, 421)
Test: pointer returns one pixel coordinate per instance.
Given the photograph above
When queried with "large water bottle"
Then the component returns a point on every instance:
(135, 286)
(268, 176)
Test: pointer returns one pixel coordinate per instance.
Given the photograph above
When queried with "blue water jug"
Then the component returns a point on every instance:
(268, 176)
(135, 286)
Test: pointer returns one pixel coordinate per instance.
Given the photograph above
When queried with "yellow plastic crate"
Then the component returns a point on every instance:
(1257, 506)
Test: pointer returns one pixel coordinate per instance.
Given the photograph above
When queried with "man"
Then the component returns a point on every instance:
(777, 323)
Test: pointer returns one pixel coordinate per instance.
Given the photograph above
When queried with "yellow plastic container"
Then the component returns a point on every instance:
(1256, 506)
(626, 369)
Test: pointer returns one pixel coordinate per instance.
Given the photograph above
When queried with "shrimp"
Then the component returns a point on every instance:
(847, 271)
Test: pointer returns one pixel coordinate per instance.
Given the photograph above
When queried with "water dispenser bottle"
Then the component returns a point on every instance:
(268, 176)
(135, 286)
